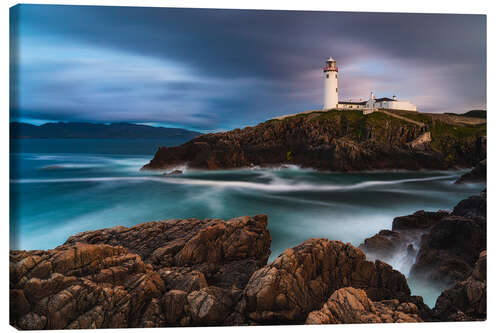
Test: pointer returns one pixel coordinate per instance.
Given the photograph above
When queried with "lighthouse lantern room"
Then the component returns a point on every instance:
(330, 72)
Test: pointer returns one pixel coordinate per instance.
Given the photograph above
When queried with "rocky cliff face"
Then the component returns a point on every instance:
(339, 141)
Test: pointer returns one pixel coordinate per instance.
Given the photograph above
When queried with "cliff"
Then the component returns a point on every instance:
(337, 141)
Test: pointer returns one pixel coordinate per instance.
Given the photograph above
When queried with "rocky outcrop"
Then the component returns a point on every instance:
(465, 300)
(449, 250)
(476, 175)
(225, 252)
(403, 238)
(472, 206)
(213, 272)
(418, 220)
(334, 140)
(352, 306)
(166, 273)
(302, 278)
(82, 286)
(443, 245)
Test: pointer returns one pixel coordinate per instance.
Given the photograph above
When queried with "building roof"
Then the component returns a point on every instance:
(353, 103)
(384, 99)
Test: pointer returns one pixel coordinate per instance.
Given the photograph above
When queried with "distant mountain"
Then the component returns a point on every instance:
(472, 113)
(82, 130)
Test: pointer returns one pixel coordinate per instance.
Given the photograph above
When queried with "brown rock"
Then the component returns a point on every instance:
(210, 306)
(352, 306)
(183, 278)
(175, 308)
(76, 287)
(226, 252)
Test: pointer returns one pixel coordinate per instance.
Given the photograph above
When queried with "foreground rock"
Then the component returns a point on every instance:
(225, 252)
(443, 246)
(83, 286)
(334, 140)
(404, 239)
(352, 306)
(213, 272)
(188, 273)
(302, 278)
(449, 250)
(167, 273)
(465, 300)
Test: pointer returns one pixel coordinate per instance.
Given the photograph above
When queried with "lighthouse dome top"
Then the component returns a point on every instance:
(330, 59)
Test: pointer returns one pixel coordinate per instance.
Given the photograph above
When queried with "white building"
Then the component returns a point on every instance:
(331, 100)
(389, 103)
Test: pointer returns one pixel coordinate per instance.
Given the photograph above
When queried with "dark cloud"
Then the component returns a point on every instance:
(211, 69)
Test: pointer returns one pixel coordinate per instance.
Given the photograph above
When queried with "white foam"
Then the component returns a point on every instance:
(276, 185)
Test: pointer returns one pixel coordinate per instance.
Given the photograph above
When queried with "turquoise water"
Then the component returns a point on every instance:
(61, 187)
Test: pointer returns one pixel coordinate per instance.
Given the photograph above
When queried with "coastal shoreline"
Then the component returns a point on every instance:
(214, 272)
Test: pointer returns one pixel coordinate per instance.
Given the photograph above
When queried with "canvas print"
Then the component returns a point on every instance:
(210, 167)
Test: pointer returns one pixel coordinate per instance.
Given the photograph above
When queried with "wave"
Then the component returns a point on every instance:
(276, 185)
(68, 166)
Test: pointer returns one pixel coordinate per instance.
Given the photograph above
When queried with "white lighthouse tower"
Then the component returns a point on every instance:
(331, 85)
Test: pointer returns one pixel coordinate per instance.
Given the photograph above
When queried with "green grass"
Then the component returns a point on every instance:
(472, 114)
(357, 123)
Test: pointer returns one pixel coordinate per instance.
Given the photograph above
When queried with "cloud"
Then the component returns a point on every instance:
(210, 69)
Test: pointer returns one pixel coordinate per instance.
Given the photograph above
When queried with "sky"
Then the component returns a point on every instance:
(211, 70)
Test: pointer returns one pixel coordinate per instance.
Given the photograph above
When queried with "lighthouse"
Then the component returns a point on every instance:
(330, 72)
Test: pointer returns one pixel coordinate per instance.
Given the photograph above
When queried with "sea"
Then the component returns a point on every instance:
(60, 187)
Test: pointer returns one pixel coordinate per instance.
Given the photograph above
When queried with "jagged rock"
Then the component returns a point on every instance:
(449, 250)
(336, 141)
(351, 306)
(210, 306)
(175, 308)
(183, 278)
(465, 300)
(448, 243)
(476, 175)
(386, 241)
(150, 275)
(418, 220)
(226, 252)
(472, 206)
(302, 278)
(81, 286)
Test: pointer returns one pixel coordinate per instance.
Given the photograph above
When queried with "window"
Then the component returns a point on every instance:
(337, 89)
(327, 76)
(335, 75)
